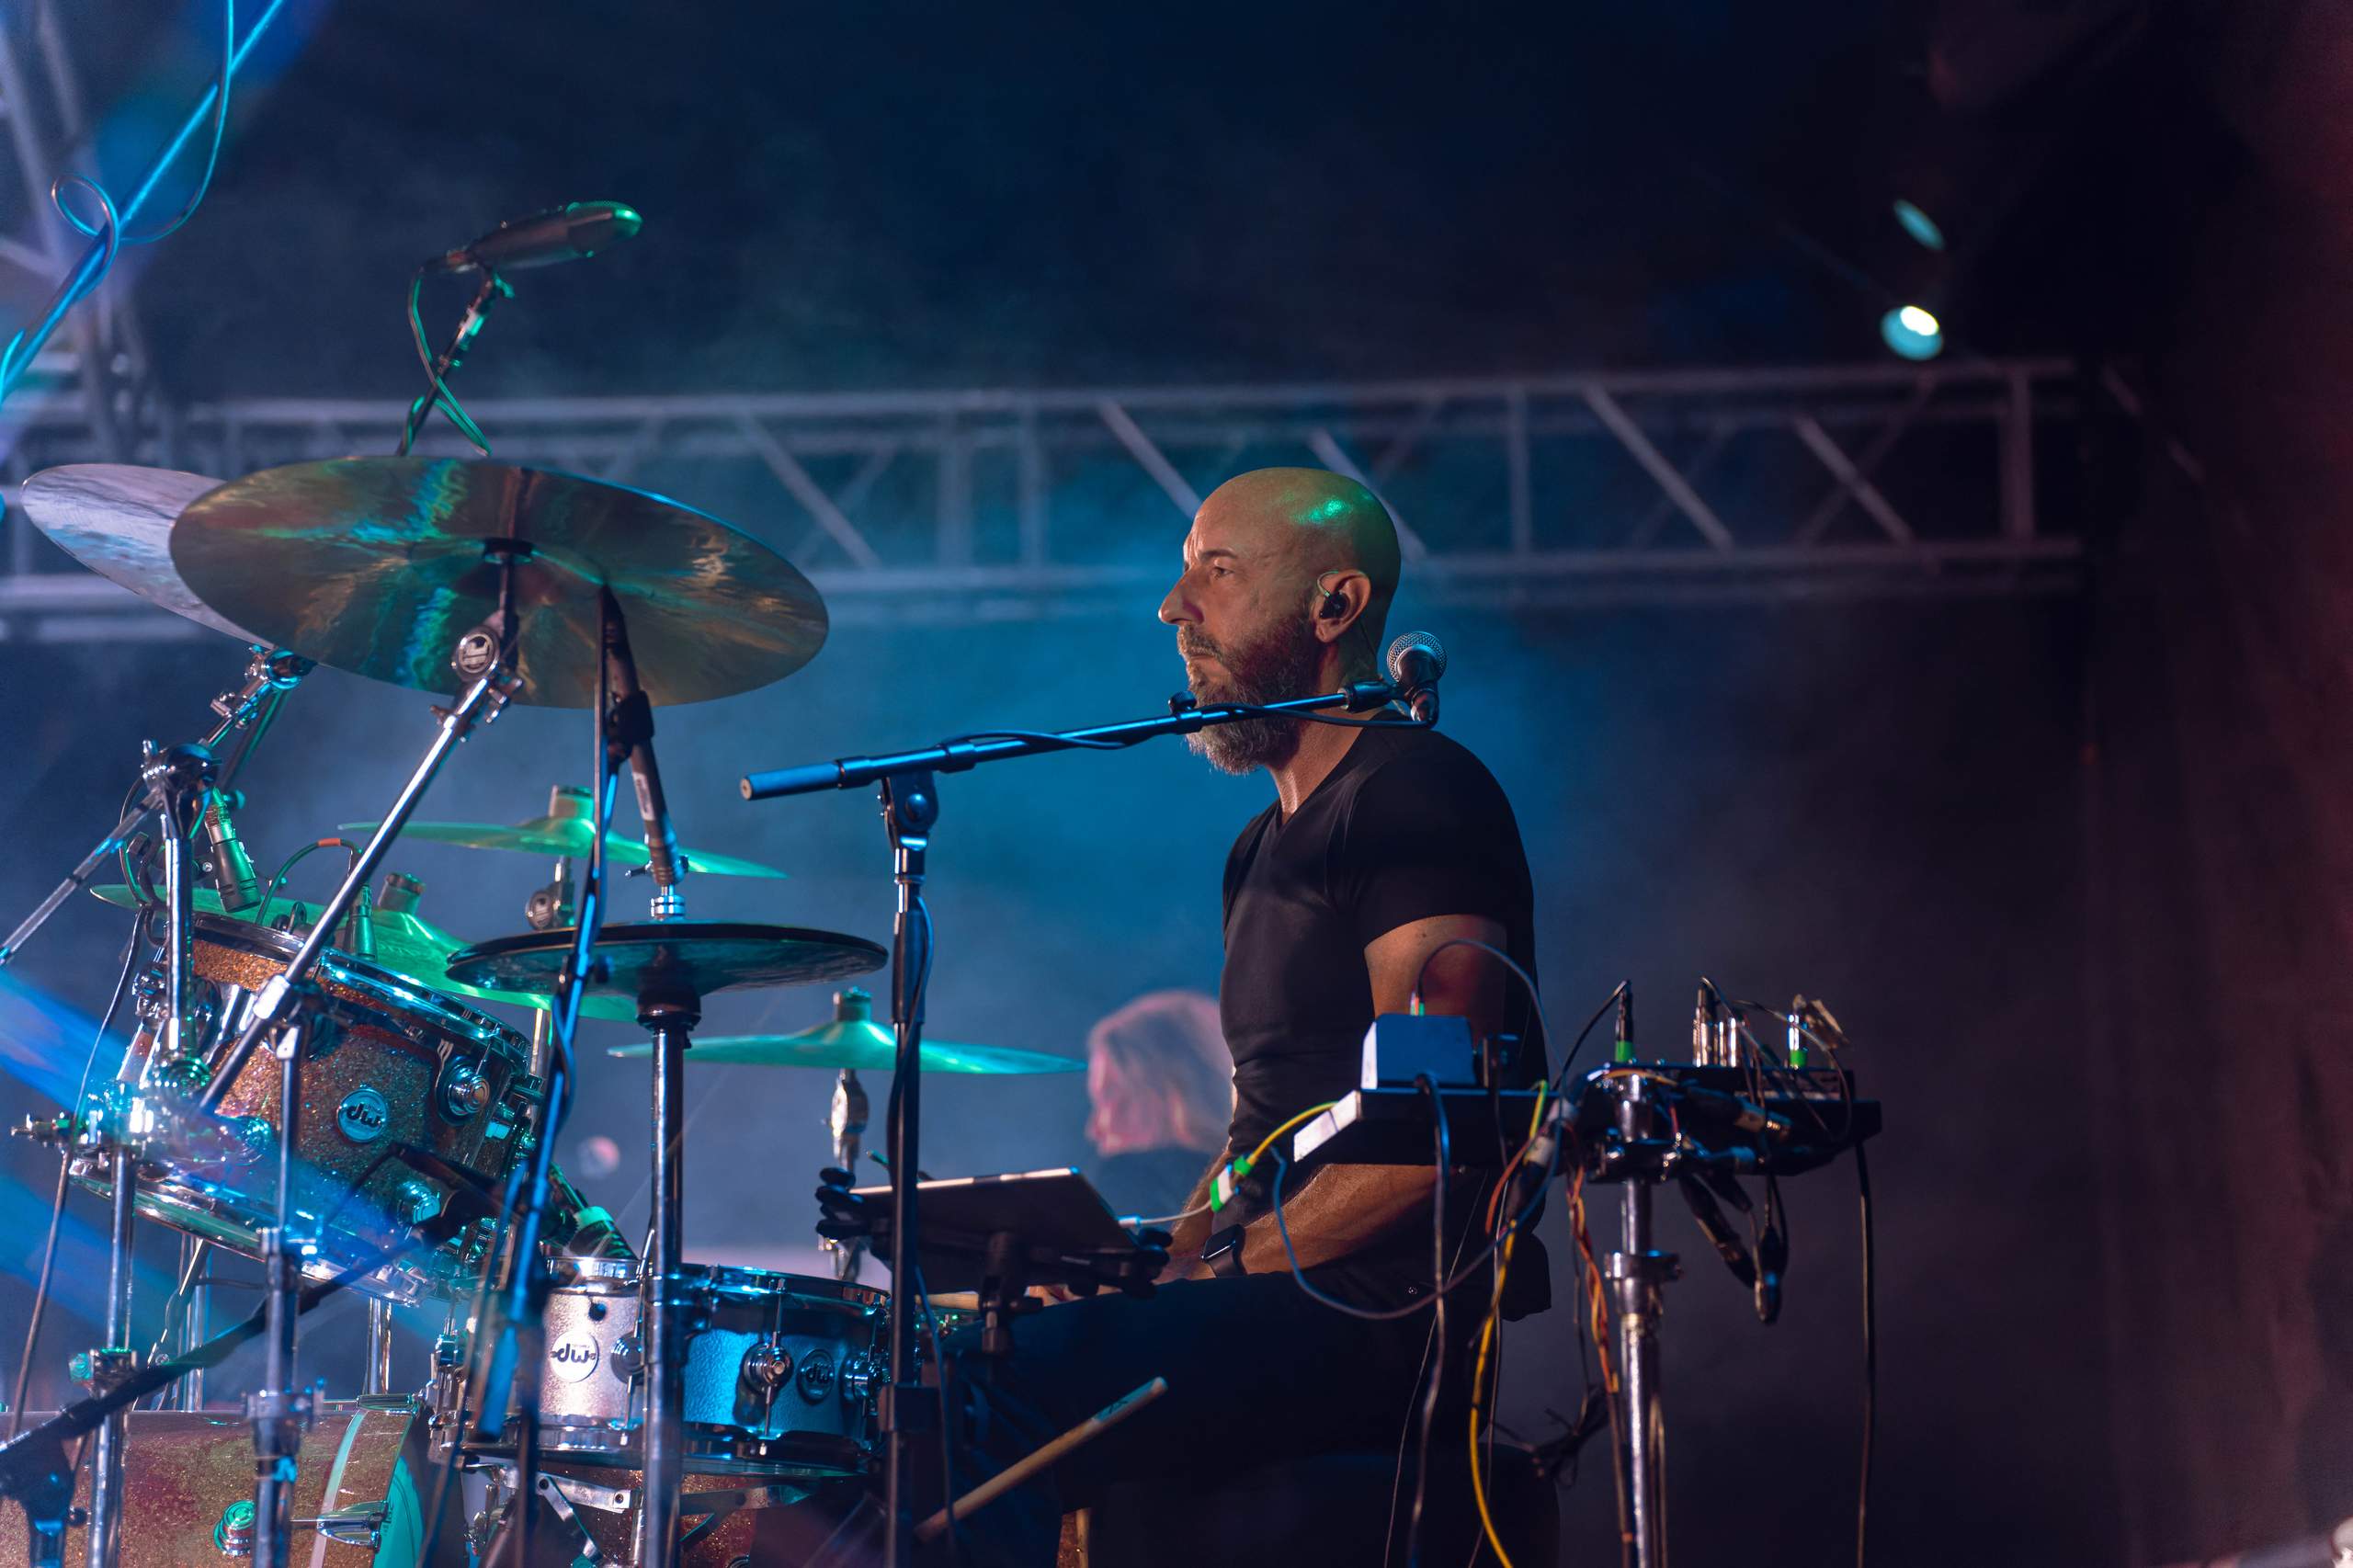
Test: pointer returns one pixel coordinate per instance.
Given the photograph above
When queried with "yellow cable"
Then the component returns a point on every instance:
(1486, 1343)
(1268, 1142)
(1478, 1386)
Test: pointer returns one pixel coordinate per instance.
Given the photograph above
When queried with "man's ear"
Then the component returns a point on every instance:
(1341, 596)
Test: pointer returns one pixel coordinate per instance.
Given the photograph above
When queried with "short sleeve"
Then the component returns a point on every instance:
(1429, 832)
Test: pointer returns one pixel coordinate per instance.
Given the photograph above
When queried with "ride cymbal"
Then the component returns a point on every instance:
(671, 961)
(378, 566)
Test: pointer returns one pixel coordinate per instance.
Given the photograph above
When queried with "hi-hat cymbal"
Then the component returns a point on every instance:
(116, 520)
(404, 943)
(673, 961)
(852, 1039)
(378, 566)
(566, 830)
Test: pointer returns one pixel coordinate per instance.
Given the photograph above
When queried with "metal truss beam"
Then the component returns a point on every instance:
(96, 371)
(1639, 487)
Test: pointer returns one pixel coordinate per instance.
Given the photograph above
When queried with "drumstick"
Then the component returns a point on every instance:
(1030, 1464)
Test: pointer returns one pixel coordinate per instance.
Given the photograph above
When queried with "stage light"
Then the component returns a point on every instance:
(1912, 332)
(1920, 225)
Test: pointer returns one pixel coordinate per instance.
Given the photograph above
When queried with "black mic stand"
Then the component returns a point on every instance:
(285, 1009)
(910, 809)
(268, 677)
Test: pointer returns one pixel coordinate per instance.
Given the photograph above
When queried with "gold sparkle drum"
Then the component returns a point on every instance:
(779, 1368)
(361, 1487)
(396, 1069)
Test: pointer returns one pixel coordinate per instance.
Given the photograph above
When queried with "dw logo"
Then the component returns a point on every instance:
(363, 1115)
(574, 1357)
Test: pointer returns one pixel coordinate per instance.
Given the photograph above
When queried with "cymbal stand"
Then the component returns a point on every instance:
(269, 675)
(671, 1017)
(512, 1376)
(177, 780)
(285, 1011)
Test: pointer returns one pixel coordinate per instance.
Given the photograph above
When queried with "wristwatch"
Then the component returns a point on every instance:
(1222, 1252)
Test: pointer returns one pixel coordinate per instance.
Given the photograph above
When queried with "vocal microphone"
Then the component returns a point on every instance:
(233, 868)
(1414, 661)
(570, 233)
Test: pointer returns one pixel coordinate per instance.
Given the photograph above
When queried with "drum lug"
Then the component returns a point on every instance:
(414, 1203)
(858, 1375)
(767, 1367)
(233, 1535)
(465, 1090)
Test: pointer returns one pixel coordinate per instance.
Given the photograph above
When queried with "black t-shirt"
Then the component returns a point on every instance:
(1149, 1182)
(1409, 825)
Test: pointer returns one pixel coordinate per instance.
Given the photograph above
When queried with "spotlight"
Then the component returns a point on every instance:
(1912, 332)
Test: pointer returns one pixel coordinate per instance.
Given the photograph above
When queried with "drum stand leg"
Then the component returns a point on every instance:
(379, 1348)
(108, 1365)
(665, 1339)
(195, 1307)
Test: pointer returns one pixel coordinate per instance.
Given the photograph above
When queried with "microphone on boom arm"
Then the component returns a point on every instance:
(570, 233)
(1414, 661)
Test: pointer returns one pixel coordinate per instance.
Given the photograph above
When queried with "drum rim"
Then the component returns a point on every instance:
(383, 985)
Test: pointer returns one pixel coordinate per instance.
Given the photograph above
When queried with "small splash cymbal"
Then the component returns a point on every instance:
(852, 1040)
(566, 830)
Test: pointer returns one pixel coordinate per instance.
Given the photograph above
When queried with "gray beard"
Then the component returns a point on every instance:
(1273, 673)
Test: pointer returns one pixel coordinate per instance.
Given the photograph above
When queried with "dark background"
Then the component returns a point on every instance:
(2074, 871)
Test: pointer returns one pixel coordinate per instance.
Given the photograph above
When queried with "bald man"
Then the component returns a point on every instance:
(1382, 845)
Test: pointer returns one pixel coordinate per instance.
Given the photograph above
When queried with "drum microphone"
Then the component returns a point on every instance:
(1414, 661)
(233, 868)
(570, 233)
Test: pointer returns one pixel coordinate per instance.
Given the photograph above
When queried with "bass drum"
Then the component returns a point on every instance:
(361, 1487)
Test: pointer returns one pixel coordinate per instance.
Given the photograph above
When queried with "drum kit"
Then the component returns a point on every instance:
(319, 1086)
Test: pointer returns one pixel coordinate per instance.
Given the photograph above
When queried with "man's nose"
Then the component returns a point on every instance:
(1177, 609)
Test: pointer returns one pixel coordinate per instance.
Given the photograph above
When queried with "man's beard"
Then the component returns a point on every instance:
(1281, 666)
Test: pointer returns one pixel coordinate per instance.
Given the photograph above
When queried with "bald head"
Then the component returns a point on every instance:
(1327, 520)
(1326, 528)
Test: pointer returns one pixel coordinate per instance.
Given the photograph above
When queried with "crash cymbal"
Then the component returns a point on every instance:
(566, 830)
(405, 944)
(378, 565)
(117, 520)
(852, 1039)
(675, 959)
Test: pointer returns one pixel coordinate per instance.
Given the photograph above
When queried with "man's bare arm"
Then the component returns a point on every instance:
(1348, 1208)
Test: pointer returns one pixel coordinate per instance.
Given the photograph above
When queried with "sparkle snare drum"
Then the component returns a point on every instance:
(397, 1065)
(361, 1486)
(778, 1368)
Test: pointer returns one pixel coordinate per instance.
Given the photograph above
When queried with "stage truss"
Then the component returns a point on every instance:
(1514, 494)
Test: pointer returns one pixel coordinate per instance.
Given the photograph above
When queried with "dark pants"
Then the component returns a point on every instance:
(1256, 1371)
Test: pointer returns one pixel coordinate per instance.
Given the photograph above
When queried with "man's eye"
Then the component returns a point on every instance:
(1220, 571)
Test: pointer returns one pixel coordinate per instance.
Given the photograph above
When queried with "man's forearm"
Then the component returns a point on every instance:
(1344, 1209)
